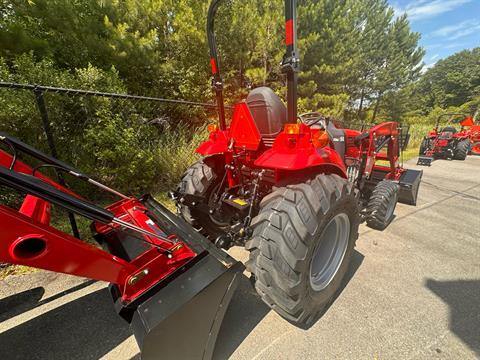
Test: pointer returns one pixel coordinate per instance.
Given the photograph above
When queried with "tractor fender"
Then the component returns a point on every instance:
(217, 143)
(301, 157)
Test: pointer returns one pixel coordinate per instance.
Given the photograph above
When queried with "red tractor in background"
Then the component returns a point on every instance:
(473, 132)
(445, 142)
(291, 189)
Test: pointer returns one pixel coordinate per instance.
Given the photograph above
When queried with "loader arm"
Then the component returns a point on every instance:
(160, 270)
(452, 115)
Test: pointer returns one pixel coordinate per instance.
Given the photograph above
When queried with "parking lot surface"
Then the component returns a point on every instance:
(412, 292)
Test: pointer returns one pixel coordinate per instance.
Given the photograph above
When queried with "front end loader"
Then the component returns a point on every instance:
(292, 189)
(166, 280)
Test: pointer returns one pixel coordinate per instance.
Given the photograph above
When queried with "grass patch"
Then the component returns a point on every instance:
(165, 200)
(410, 153)
(8, 270)
(175, 154)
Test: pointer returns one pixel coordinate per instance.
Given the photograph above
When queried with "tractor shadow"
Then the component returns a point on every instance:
(463, 299)
(86, 328)
(244, 313)
(247, 310)
(27, 300)
(89, 328)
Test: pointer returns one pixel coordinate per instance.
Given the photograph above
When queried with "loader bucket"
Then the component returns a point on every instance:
(181, 316)
(409, 185)
(425, 160)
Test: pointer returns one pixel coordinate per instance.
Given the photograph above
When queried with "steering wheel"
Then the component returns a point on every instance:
(314, 118)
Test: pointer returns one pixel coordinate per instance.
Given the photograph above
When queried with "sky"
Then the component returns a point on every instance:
(447, 26)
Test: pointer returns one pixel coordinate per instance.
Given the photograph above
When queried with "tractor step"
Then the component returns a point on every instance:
(425, 160)
(409, 185)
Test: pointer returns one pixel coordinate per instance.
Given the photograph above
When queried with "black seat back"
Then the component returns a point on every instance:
(447, 133)
(338, 138)
(268, 111)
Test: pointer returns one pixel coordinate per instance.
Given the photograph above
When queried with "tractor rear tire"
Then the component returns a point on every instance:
(200, 180)
(302, 243)
(423, 147)
(462, 150)
(381, 205)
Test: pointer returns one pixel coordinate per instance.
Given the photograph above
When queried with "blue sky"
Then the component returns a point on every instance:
(447, 26)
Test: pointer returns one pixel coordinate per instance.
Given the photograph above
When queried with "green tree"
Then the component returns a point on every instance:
(452, 81)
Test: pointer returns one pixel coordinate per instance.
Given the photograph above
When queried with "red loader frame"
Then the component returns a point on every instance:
(146, 249)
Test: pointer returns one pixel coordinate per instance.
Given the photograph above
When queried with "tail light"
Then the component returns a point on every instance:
(292, 129)
(320, 139)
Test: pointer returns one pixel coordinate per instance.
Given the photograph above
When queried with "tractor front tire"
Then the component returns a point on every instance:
(461, 152)
(381, 205)
(302, 243)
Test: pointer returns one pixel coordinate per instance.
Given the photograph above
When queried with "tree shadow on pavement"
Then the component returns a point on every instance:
(463, 299)
(85, 328)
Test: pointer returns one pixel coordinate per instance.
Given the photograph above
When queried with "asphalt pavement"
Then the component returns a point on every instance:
(412, 292)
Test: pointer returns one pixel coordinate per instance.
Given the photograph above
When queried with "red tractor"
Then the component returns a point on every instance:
(445, 142)
(473, 133)
(291, 189)
(293, 193)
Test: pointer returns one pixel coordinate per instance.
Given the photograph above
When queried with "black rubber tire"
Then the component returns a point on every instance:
(379, 211)
(423, 147)
(199, 180)
(461, 152)
(286, 233)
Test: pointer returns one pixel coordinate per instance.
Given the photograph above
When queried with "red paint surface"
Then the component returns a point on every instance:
(61, 252)
(289, 32)
(214, 66)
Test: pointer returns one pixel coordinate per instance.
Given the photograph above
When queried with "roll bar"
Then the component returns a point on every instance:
(437, 123)
(290, 63)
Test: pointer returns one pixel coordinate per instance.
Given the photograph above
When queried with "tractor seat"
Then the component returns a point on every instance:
(336, 135)
(447, 133)
(268, 112)
(450, 129)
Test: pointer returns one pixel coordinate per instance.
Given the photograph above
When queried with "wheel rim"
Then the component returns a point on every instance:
(330, 251)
